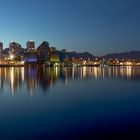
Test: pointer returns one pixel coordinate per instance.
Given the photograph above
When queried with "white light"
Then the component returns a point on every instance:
(22, 62)
(11, 57)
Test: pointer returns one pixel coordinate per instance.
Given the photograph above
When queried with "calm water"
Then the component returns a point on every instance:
(69, 103)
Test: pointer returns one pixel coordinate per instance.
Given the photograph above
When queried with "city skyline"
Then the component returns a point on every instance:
(99, 26)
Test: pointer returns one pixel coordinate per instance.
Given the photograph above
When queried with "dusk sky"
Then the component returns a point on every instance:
(96, 26)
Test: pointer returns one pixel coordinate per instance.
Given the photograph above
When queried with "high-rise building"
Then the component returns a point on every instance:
(1, 48)
(44, 48)
(30, 46)
(43, 52)
(14, 47)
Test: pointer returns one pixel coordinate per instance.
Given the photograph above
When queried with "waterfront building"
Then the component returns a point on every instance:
(31, 59)
(63, 55)
(43, 52)
(54, 59)
(14, 48)
(53, 49)
(30, 45)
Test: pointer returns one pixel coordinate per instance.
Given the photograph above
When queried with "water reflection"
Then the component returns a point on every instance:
(14, 79)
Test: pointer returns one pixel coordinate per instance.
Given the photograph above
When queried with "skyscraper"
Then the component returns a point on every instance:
(43, 52)
(30, 46)
(14, 47)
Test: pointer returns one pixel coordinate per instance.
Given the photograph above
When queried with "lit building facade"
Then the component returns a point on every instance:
(30, 46)
(14, 48)
(43, 52)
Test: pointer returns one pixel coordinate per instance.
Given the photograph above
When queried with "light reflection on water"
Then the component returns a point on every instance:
(80, 100)
(14, 78)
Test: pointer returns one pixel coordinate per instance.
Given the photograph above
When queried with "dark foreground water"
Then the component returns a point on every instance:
(70, 103)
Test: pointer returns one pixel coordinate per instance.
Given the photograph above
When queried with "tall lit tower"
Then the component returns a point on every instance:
(30, 46)
(14, 47)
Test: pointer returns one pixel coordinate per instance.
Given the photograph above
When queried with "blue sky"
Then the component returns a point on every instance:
(97, 26)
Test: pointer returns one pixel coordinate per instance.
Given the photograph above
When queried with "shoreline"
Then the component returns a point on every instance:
(42, 65)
